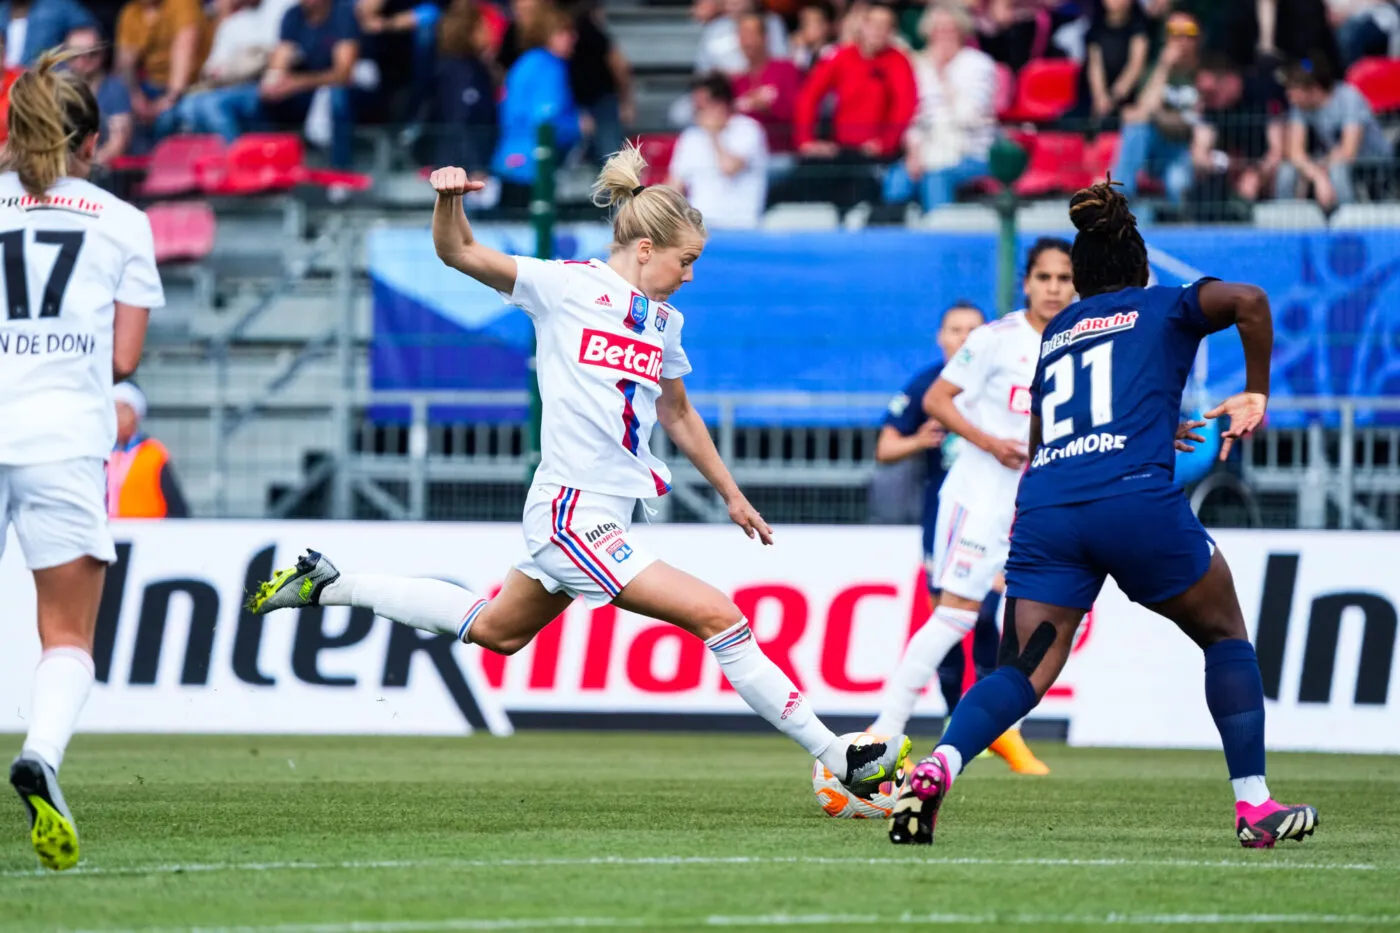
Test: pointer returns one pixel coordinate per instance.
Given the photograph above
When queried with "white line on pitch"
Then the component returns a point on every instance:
(690, 860)
(805, 921)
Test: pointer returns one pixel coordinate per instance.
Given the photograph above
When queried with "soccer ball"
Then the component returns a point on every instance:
(839, 801)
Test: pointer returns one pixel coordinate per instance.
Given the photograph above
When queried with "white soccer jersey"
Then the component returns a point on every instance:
(994, 369)
(64, 260)
(602, 350)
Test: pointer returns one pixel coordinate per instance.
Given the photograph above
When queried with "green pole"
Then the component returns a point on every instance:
(542, 219)
(1006, 253)
(1008, 163)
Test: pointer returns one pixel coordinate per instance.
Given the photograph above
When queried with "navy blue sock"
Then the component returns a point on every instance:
(986, 637)
(994, 704)
(1235, 695)
(950, 677)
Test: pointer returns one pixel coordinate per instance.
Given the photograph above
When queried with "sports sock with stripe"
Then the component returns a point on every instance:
(770, 693)
(424, 603)
(1235, 696)
(945, 629)
(62, 682)
(994, 704)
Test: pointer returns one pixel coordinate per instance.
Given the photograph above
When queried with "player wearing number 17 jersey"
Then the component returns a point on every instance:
(79, 278)
(1098, 500)
(611, 367)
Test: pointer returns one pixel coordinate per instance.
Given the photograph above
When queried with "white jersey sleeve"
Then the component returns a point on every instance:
(971, 366)
(139, 284)
(540, 285)
(674, 362)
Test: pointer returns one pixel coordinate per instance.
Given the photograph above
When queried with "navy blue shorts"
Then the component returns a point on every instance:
(1148, 541)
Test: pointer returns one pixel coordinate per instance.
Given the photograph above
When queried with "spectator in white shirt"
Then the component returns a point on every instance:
(718, 49)
(245, 34)
(721, 162)
(951, 136)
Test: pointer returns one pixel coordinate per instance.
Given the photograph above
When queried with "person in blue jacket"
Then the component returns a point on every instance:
(536, 91)
(47, 24)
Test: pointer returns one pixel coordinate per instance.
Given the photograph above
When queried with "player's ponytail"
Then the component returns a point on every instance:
(1108, 252)
(658, 213)
(52, 112)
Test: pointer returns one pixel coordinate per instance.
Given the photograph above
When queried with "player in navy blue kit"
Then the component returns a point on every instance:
(1098, 499)
(909, 431)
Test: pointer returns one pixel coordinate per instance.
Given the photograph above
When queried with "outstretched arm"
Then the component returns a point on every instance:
(452, 234)
(690, 433)
(1247, 308)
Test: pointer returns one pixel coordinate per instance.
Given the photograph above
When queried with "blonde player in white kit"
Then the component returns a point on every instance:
(611, 367)
(79, 278)
(990, 380)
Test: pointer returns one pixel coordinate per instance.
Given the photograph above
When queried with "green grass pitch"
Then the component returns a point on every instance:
(551, 831)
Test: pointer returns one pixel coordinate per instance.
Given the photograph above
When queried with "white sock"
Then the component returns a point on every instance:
(770, 693)
(431, 605)
(930, 644)
(62, 682)
(1251, 790)
(954, 759)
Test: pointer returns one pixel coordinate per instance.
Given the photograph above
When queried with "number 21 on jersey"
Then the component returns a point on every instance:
(1058, 388)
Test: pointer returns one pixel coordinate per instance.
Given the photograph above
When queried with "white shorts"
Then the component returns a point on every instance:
(581, 543)
(58, 510)
(971, 541)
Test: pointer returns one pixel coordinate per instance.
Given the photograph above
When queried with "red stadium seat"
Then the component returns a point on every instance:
(1101, 155)
(1045, 90)
(657, 150)
(1379, 80)
(256, 164)
(1056, 165)
(1006, 90)
(171, 169)
(183, 232)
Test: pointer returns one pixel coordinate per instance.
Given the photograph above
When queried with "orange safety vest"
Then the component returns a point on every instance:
(133, 481)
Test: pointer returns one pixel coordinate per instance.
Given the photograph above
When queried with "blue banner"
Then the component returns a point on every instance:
(848, 312)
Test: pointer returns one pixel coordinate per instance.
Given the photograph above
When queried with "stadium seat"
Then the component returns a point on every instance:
(1361, 216)
(183, 232)
(1056, 165)
(1045, 90)
(1379, 80)
(1101, 155)
(255, 164)
(1289, 215)
(1045, 217)
(172, 167)
(814, 216)
(657, 149)
(1006, 90)
(960, 217)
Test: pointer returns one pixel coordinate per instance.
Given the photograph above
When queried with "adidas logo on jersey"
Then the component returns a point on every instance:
(603, 301)
(633, 357)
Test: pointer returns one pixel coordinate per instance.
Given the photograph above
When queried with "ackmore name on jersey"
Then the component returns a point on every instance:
(634, 358)
(1092, 443)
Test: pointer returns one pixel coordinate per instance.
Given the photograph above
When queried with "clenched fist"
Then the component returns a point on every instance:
(453, 182)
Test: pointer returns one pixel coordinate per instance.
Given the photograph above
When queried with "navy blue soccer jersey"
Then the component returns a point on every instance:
(1108, 390)
(906, 415)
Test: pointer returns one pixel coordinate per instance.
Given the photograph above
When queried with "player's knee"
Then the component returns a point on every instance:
(491, 635)
(715, 615)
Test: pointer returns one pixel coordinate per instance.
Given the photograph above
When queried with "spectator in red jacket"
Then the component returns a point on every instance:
(873, 94)
(873, 87)
(767, 91)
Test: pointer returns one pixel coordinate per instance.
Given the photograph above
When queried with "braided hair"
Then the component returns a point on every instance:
(1108, 252)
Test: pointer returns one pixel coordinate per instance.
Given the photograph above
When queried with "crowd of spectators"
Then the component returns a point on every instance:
(846, 101)
(1209, 100)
